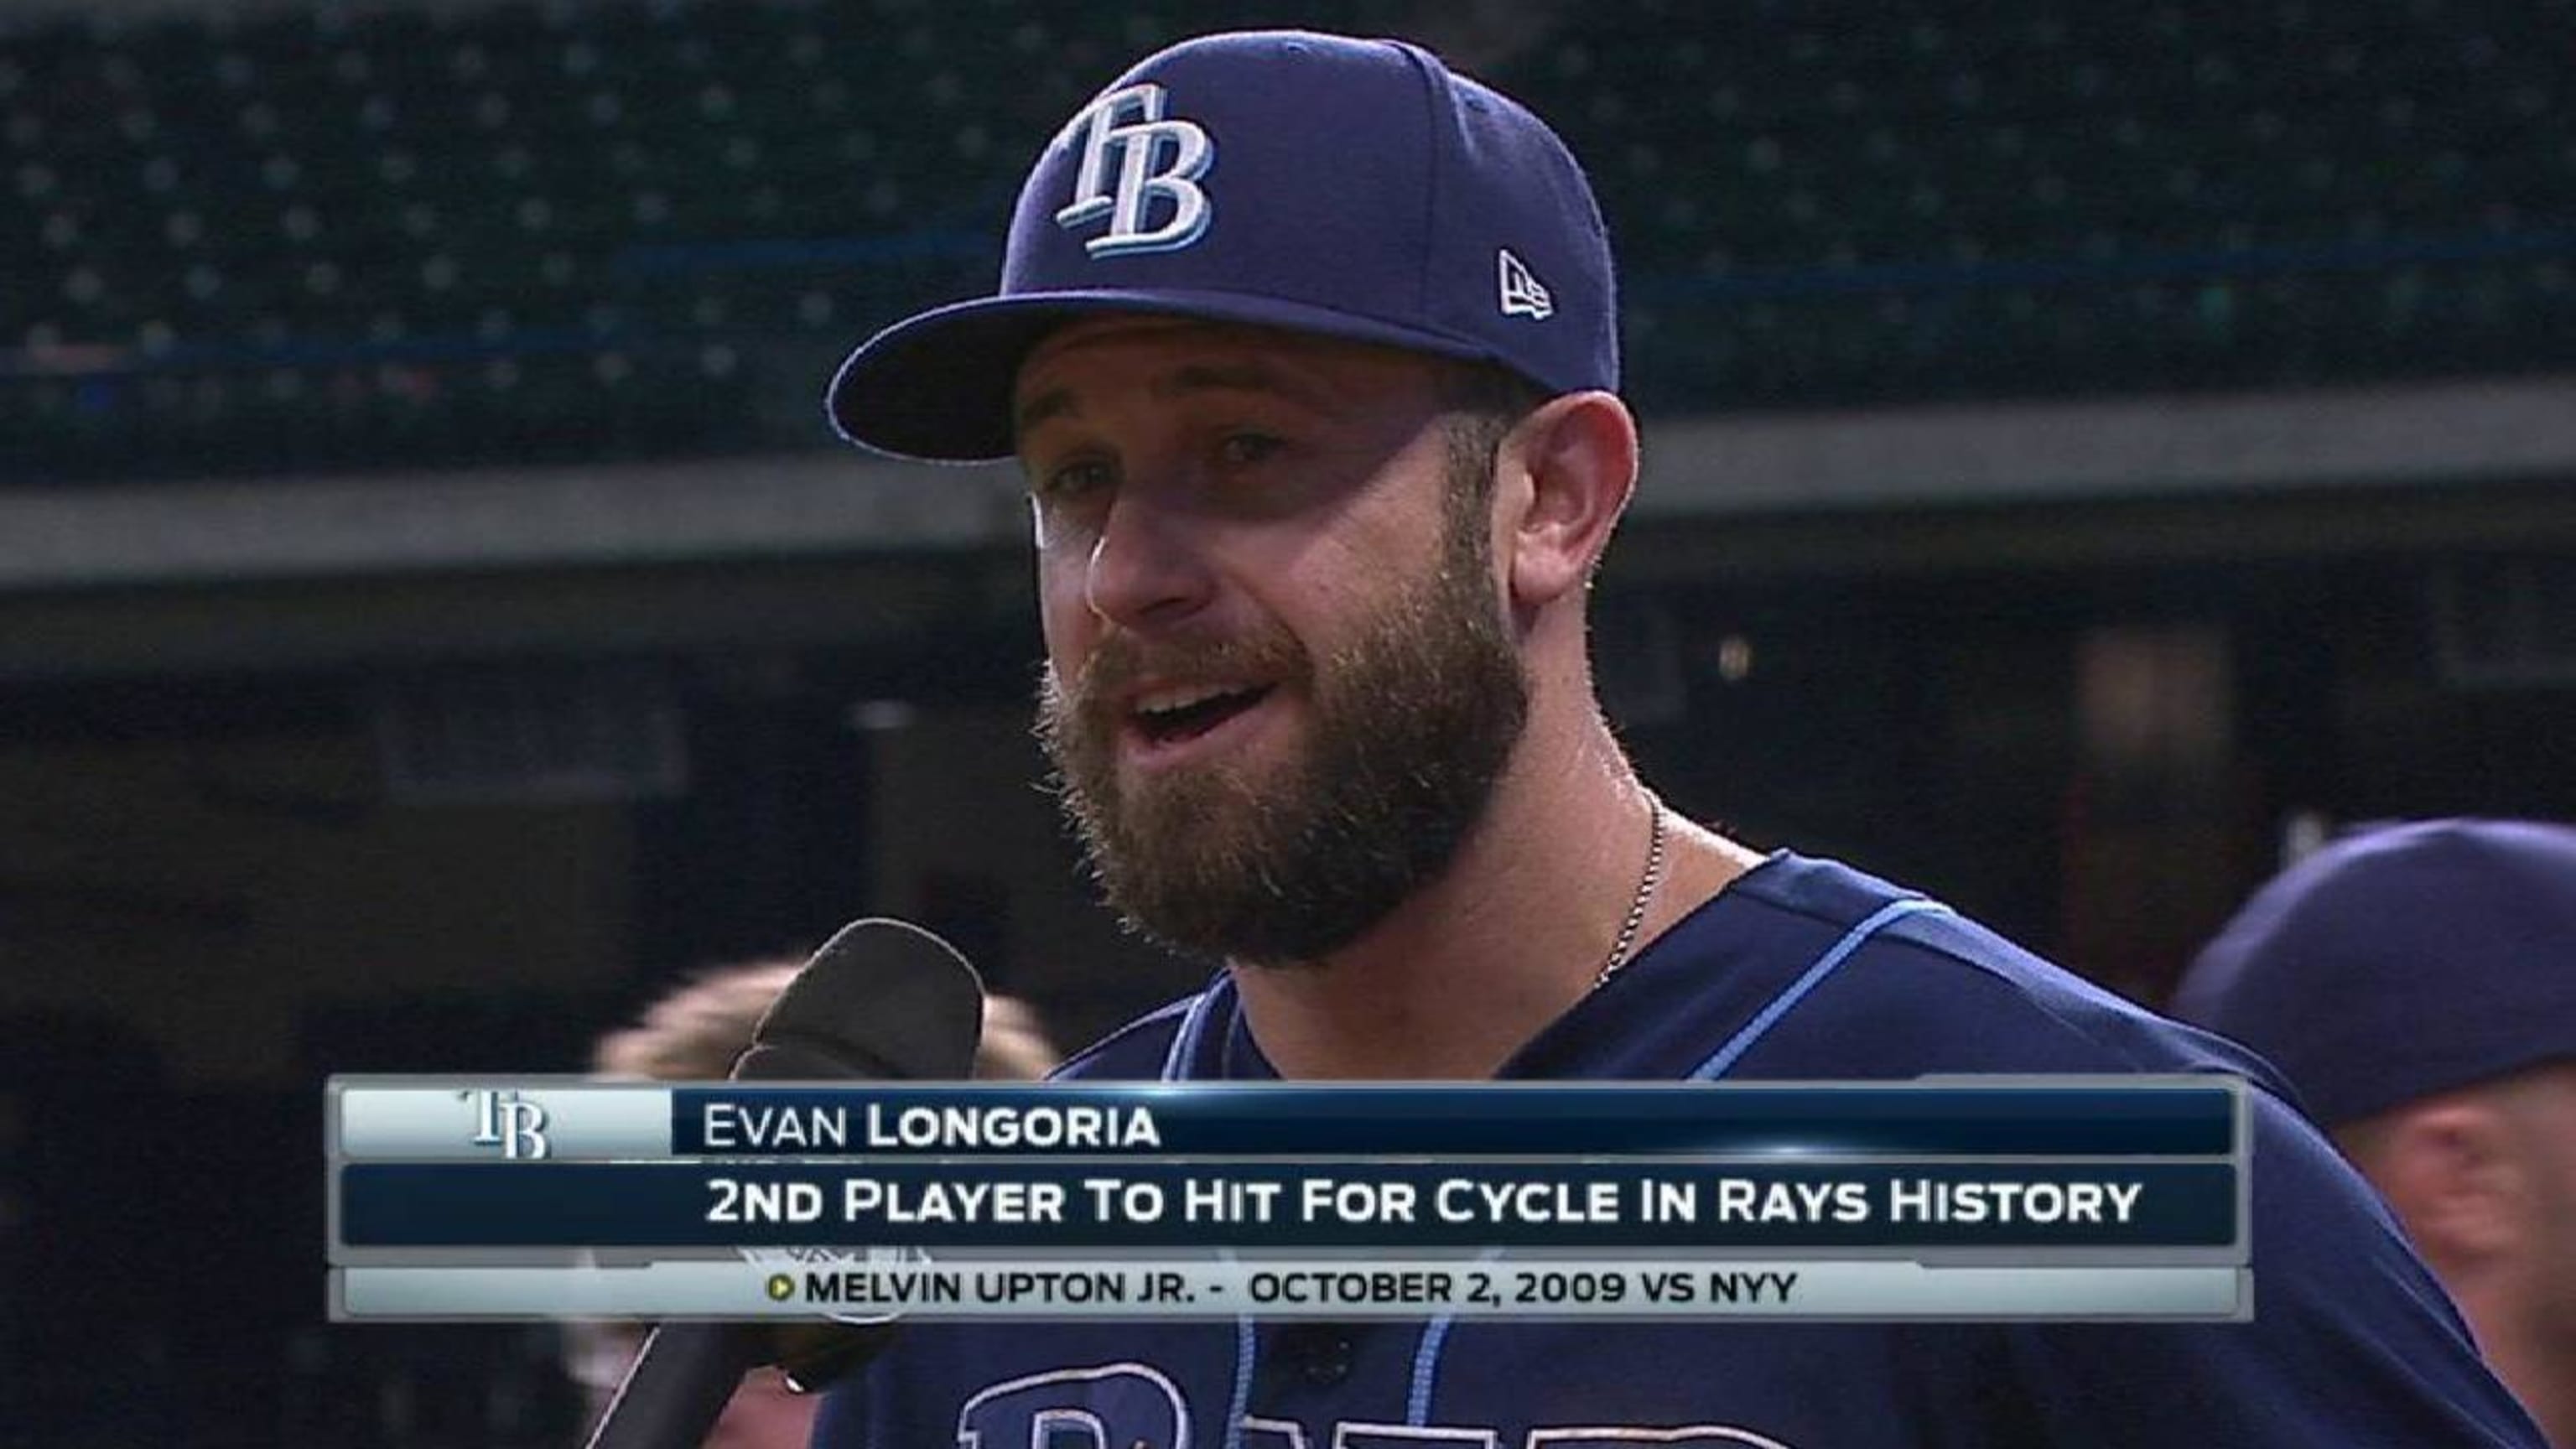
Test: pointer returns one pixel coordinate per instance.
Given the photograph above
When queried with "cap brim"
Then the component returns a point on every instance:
(938, 387)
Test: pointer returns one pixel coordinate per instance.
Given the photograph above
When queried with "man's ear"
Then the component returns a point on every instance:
(2449, 1168)
(1568, 469)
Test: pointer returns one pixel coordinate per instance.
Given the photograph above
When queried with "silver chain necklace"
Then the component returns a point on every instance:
(1654, 876)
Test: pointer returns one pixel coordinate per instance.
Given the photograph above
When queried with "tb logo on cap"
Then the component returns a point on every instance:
(1157, 158)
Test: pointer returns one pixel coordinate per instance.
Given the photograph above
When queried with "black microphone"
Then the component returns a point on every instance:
(883, 1000)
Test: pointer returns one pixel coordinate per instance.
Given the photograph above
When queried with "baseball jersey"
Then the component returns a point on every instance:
(1801, 969)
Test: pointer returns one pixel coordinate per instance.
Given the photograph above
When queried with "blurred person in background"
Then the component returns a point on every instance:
(2417, 985)
(693, 1034)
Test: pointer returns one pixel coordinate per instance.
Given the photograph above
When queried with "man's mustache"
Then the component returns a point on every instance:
(1122, 661)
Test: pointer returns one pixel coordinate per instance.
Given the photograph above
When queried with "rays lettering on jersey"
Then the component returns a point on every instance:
(1354, 1434)
(1159, 160)
(1114, 1406)
(1133, 1406)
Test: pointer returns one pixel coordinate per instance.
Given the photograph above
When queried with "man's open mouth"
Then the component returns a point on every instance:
(1171, 716)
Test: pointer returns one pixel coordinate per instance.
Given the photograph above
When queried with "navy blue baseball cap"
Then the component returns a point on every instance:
(2401, 962)
(1353, 188)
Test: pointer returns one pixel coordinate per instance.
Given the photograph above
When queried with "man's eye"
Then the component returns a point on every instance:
(1074, 480)
(1240, 449)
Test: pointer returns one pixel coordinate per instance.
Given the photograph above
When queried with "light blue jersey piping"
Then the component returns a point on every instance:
(1435, 1334)
(1176, 1068)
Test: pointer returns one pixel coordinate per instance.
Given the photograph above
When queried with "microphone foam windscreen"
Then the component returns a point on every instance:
(883, 999)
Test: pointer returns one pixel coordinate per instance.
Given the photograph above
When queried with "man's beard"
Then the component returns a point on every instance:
(1409, 727)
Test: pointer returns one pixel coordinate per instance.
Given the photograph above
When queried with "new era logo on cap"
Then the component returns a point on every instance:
(1321, 184)
(1523, 296)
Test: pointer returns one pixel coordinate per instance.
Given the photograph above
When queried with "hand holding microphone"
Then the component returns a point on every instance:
(883, 1000)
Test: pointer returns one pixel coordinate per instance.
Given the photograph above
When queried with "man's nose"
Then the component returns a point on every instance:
(1148, 565)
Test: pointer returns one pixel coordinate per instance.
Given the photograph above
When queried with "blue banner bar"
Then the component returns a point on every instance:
(1050, 1205)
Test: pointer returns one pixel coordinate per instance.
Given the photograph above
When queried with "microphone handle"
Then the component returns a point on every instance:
(918, 1006)
(679, 1386)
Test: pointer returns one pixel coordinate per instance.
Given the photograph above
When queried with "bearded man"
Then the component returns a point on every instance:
(1307, 348)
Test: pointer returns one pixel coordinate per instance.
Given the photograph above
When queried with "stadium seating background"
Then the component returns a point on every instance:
(340, 238)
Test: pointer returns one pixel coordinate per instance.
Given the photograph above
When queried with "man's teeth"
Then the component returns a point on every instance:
(1164, 701)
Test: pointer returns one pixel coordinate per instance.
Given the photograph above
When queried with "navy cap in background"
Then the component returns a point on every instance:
(2401, 962)
(1351, 188)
